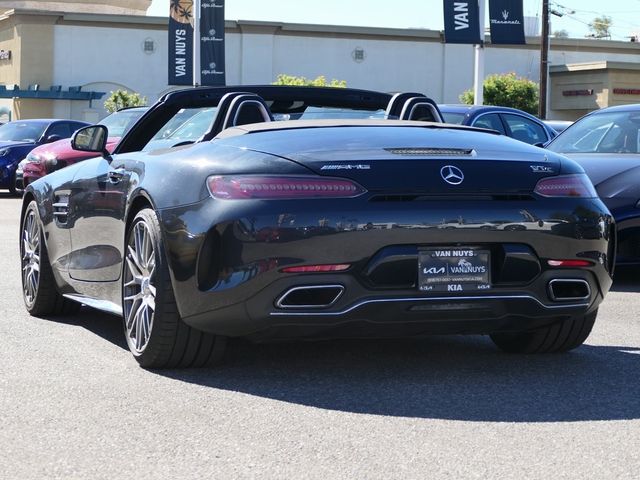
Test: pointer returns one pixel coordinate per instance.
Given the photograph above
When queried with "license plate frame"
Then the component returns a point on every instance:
(454, 269)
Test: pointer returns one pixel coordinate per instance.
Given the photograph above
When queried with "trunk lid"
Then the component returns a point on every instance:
(409, 159)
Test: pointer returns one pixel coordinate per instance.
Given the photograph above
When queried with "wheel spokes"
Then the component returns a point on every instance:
(30, 257)
(138, 289)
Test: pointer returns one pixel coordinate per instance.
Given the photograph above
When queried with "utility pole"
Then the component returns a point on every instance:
(544, 61)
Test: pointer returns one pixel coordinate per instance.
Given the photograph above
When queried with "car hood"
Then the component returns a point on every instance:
(614, 175)
(11, 143)
(62, 149)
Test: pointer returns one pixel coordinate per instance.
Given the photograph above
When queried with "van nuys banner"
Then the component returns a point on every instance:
(181, 42)
(461, 22)
(212, 60)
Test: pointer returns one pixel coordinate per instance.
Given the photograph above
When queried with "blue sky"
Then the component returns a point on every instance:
(419, 13)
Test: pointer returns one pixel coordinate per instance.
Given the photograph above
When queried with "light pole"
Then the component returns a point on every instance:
(478, 76)
(544, 61)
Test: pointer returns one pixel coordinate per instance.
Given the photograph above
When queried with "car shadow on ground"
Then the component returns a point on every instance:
(108, 327)
(441, 377)
(456, 378)
(6, 194)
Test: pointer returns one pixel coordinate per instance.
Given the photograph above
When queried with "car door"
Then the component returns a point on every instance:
(96, 210)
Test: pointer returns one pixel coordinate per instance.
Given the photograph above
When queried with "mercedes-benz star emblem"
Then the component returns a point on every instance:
(452, 175)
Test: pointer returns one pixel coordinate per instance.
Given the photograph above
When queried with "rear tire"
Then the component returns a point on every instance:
(39, 290)
(156, 335)
(556, 338)
(18, 191)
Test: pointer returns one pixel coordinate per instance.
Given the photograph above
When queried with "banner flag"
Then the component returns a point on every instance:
(212, 59)
(506, 22)
(181, 42)
(461, 22)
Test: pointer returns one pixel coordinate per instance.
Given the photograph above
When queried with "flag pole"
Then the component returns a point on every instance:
(478, 78)
(197, 70)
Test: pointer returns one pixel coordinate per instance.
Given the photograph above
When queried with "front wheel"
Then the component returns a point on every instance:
(39, 290)
(156, 335)
(556, 338)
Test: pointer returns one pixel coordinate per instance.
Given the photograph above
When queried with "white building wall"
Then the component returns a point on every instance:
(107, 58)
(387, 64)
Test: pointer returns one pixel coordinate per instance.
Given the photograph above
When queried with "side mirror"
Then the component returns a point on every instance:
(91, 139)
(52, 138)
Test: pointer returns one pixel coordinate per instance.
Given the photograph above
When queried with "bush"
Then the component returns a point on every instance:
(122, 99)
(507, 90)
(320, 81)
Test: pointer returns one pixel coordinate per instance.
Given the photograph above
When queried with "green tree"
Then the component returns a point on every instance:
(122, 99)
(600, 27)
(561, 34)
(321, 81)
(507, 90)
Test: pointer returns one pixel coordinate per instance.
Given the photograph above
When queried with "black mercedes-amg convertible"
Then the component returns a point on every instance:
(357, 225)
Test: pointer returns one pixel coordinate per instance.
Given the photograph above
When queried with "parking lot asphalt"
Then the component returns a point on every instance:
(74, 403)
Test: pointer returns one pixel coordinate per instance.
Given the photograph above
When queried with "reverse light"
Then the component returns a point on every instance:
(341, 267)
(271, 187)
(569, 263)
(566, 186)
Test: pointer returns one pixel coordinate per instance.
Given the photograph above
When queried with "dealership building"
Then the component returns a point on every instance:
(56, 62)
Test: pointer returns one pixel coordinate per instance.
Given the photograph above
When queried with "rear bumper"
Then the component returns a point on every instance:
(226, 260)
(362, 313)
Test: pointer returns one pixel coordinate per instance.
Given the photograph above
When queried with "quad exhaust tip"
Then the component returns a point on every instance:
(562, 289)
(310, 296)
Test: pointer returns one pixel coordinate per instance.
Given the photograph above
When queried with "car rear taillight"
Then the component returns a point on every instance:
(341, 267)
(271, 187)
(569, 263)
(566, 186)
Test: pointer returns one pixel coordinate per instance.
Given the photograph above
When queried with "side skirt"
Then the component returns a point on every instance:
(104, 305)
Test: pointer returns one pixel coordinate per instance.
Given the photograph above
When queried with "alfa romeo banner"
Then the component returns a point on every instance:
(181, 42)
(181, 27)
(212, 42)
(506, 22)
(461, 22)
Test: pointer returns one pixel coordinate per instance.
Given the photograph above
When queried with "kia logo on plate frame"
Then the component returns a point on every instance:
(452, 175)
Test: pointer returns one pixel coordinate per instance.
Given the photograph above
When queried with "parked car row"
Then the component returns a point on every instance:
(18, 138)
(364, 226)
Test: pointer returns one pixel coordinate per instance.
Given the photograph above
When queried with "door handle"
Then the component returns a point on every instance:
(116, 175)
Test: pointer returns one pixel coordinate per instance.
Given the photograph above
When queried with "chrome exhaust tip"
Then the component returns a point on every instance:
(563, 289)
(310, 296)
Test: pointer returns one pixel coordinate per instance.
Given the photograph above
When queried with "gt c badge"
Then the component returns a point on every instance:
(452, 175)
(541, 169)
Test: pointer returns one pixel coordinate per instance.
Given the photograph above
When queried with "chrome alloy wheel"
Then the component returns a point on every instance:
(139, 291)
(30, 257)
